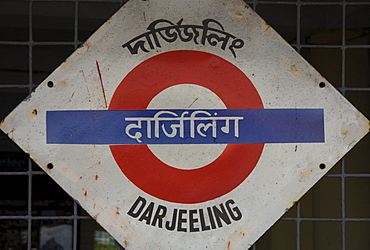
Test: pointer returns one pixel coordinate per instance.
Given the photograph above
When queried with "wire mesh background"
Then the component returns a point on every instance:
(36, 36)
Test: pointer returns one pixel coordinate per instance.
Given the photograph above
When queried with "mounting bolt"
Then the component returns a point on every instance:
(50, 166)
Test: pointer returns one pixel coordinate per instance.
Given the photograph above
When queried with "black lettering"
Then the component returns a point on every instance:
(211, 220)
(147, 215)
(222, 215)
(159, 215)
(172, 226)
(202, 221)
(185, 220)
(132, 212)
(236, 215)
(181, 221)
(192, 221)
(170, 32)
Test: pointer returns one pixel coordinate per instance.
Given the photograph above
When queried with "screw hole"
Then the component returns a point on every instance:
(322, 85)
(50, 84)
(322, 166)
(50, 166)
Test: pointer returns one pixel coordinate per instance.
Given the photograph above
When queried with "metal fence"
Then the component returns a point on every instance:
(37, 35)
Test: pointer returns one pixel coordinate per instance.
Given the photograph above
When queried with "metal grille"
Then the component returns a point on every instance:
(36, 36)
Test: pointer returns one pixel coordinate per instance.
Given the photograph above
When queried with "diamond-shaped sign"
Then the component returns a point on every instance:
(180, 123)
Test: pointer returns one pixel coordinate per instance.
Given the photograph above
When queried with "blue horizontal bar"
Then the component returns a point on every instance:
(130, 127)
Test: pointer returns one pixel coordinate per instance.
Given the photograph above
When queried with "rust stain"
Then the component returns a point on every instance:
(267, 27)
(293, 68)
(305, 176)
(98, 163)
(101, 83)
(34, 112)
(63, 64)
(293, 203)
(63, 82)
(296, 200)
(80, 178)
(96, 177)
(358, 116)
(11, 131)
(117, 211)
(85, 194)
(344, 133)
(125, 243)
(32, 158)
(88, 44)
(228, 244)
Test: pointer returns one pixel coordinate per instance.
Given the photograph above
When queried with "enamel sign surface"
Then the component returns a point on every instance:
(186, 125)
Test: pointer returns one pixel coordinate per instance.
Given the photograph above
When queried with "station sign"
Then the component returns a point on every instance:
(181, 124)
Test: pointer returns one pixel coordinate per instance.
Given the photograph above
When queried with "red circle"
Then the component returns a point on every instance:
(153, 176)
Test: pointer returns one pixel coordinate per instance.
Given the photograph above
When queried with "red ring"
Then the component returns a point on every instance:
(153, 176)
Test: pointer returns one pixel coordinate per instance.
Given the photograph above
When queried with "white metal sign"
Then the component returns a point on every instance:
(182, 124)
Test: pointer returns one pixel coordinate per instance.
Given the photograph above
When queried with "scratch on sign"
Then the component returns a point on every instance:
(101, 83)
(196, 99)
